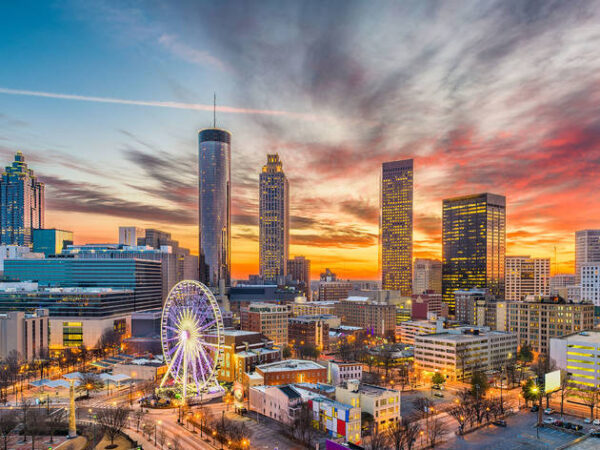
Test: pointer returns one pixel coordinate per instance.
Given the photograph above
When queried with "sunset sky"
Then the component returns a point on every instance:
(105, 99)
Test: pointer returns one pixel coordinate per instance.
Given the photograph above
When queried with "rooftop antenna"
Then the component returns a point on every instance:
(214, 110)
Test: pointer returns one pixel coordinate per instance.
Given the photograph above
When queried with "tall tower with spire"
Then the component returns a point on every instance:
(21, 203)
(214, 205)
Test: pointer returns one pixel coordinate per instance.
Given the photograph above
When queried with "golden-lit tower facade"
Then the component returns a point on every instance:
(274, 220)
(473, 245)
(396, 226)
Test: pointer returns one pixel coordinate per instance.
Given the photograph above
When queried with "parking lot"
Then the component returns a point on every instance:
(519, 434)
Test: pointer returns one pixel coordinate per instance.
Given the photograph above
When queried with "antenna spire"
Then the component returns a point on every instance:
(214, 110)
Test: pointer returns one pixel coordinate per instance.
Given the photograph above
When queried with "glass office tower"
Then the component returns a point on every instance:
(473, 245)
(396, 226)
(21, 203)
(51, 241)
(215, 206)
(274, 218)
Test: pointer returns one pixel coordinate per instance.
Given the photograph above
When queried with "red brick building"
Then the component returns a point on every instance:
(306, 330)
(288, 371)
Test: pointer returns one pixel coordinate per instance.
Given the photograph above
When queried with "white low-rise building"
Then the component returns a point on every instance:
(340, 371)
(579, 355)
(590, 283)
(412, 328)
(382, 403)
(457, 353)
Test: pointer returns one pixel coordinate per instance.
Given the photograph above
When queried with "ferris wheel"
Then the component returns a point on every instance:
(192, 338)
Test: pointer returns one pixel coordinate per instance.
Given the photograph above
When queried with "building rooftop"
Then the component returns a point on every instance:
(312, 318)
(239, 333)
(289, 392)
(369, 389)
(590, 336)
(336, 404)
(258, 351)
(450, 335)
(289, 365)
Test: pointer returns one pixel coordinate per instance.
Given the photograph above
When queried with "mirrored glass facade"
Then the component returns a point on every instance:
(21, 203)
(215, 206)
(473, 245)
(274, 218)
(396, 226)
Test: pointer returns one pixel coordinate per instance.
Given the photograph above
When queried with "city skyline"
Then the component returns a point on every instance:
(130, 93)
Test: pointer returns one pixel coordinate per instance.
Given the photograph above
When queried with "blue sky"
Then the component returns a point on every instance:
(497, 96)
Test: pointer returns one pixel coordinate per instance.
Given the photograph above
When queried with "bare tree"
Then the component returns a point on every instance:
(90, 382)
(35, 425)
(112, 421)
(162, 437)
(8, 422)
(139, 416)
(566, 387)
(56, 421)
(378, 439)
(402, 434)
(435, 430)
(422, 407)
(589, 397)
(302, 428)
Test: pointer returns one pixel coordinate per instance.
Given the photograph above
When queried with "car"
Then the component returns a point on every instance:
(595, 432)
(438, 394)
(548, 411)
(500, 423)
(596, 422)
(549, 420)
(587, 420)
(559, 423)
(568, 425)
(576, 427)
(535, 408)
(436, 386)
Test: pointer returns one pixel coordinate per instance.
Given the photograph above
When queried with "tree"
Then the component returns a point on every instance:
(479, 384)
(529, 391)
(162, 437)
(286, 352)
(35, 425)
(565, 389)
(56, 421)
(386, 358)
(110, 340)
(589, 397)
(8, 422)
(525, 355)
(90, 382)
(378, 439)
(112, 421)
(438, 378)
(302, 428)
(462, 413)
(366, 421)
(435, 430)
(44, 361)
(402, 434)
(139, 416)
(422, 407)
(308, 351)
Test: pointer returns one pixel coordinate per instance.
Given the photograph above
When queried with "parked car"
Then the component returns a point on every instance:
(576, 427)
(500, 423)
(436, 386)
(549, 420)
(559, 423)
(535, 408)
(587, 420)
(569, 425)
(548, 411)
(596, 422)
(595, 432)
(438, 394)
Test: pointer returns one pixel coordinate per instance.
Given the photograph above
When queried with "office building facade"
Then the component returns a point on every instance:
(309, 331)
(587, 250)
(273, 221)
(298, 270)
(334, 290)
(590, 283)
(577, 354)
(427, 276)
(268, 319)
(24, 333)
(21, 203)
(526, 276)
(378, 319)
(473, 245)
(51, 241)
(536, 322)
(215, 206)
(396, 226)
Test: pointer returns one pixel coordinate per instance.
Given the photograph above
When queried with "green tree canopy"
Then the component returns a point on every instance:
(479, 384)
(438, 378)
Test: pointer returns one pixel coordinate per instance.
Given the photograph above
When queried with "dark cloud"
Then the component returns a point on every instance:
(361, 209)
(65, 195)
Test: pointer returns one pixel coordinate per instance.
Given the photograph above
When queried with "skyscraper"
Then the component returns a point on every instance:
(526, 276)
(21, 203)
(274, 229)
(473, 244)
(298, 269)
(396, 225)
(587, 250)
(427, 276)
(215, 206)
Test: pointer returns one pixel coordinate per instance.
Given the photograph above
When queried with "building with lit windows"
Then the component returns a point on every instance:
(396, 226)
(273, 221)
(303, 308)
(309, 330)
(457, 353)
(268, 319)
(334, 290)
(24, 333)
(298, 271)
(214, 208)
(337, 419)
(51, 241)
(526, 276)
(427, 303)
(536, 322)
(289, 371)
(578, 354)
(377, 319)
(473, 245)
(382, 403)
(427, 276)
(587, 250)
(341, 371)
(590, 283)
(21, 203)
